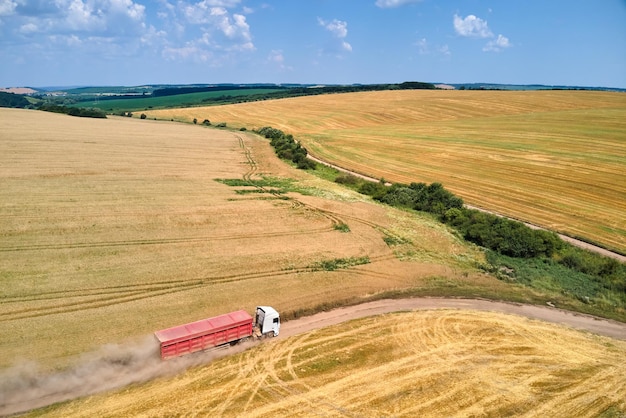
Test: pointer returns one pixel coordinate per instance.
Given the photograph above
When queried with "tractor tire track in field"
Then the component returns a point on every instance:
(450, 340)
(334, 218)
(57, 302)
(49, 303)
(61, 302)
(247, 176)
(41, 304)
(249, 160)
(159, 241)
(269, 380)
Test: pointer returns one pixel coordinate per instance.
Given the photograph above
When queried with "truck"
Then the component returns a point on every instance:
(230, 328)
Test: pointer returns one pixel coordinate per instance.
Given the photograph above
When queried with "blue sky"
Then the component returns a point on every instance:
(134, 42)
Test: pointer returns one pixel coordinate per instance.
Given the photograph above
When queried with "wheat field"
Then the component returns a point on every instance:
(424, 363)
(114, 228)
(553, 158)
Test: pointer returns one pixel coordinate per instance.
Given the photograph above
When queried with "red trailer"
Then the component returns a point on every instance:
(203, 334)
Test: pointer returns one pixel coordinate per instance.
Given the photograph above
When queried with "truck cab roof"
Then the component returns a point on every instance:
(268, 310)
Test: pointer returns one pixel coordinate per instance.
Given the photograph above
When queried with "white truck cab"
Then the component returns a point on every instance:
(267, 321)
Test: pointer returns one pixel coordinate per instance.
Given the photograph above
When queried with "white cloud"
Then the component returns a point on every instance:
(388, 4)
(43, 29)
(216, 18)
(80, 17)
(7, 7)
(276, 58)
(221, 3)
(336, 27)
(66, 40)
(128, 8)
(105, 17)
(472, 26)
(236, 28)
(199, 13)
(186, 52)
(498, 44)
(339, 29)
(423, 47)
(28, 28)
(153, 36)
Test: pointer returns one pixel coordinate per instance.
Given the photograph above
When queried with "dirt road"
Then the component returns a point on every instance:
(578, 321)
(118, 366)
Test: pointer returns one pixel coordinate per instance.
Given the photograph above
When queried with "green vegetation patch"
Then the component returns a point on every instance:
(273, 185)
(603, 292)
(13, 100)
(342, 227)
(340, 263)
(393, 240)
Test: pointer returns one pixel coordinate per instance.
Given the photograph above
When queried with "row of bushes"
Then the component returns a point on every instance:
(504, 236)
(82, 112)
(287, 148)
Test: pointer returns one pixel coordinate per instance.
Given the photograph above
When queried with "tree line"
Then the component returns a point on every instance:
(287, 148)
(174, 91)
(83, 112)
(16, 101)
(503, 236)
(506, 236)
(19, 101)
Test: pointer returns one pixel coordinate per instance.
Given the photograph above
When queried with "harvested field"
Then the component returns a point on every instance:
(423, 363)
(114, 228)
(552, 158)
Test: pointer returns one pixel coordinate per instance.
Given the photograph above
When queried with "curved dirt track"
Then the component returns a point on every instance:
(578, 321)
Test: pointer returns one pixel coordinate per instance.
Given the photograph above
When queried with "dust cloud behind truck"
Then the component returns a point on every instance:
(229, 328)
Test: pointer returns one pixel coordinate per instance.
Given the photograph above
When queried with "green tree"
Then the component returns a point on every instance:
(13, 100)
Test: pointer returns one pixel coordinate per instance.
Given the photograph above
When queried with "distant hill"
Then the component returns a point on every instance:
(19, 90)
(493, 86)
